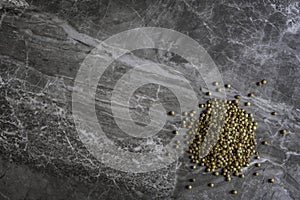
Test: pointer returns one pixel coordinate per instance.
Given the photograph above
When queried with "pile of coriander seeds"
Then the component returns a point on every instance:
(232, 132)
(236, 141)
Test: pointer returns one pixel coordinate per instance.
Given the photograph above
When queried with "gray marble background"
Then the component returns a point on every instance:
(43, 43)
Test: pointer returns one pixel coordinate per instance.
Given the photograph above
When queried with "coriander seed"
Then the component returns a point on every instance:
(172, 113)
(211, 185)
(215, 83)
(271, 180)
(234, 192)
(227, 86)
(283, 132)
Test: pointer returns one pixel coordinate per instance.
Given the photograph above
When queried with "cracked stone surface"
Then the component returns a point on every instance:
(43, 44)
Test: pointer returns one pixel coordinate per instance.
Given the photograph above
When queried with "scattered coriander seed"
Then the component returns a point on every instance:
(193, 180)
(185, 113)
(176, 132)
(208, 93)
(264, 142)
(271, 180)
(218, 89)
(172, 113)
(215, 83)
(228, 179)
(251, 95)
(216, 173)
(255, 173)
(236, 101)
(194, 167)
(177, 146)
(257, 165)
(211, 185)
(283, 132)
(189, 187)
(258, 83)
(257, 157)
(237, 96)
(234, 192)
(242, 176)
(227, 86)
(247, 104)
(264, 81)
(274, 113)
(178, 141)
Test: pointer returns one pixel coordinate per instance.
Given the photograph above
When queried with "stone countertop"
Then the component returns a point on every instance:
(42, 46)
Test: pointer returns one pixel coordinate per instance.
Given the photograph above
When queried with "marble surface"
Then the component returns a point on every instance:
(43, 44)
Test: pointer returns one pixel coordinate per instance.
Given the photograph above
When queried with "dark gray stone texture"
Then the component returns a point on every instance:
(43, 43)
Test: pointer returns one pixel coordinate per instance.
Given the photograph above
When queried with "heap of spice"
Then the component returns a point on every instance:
(235, 137)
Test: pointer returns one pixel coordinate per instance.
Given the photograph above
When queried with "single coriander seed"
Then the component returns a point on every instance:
(247, 104)
(283, 132)
(251, 95)
(215, 83)
(274, 113)
(172, 113)
(271, 180)
(211, 185)
(234, 192)
(208, 170)
(258, 83)
(227, 86)
(228, 179)
(189, 187)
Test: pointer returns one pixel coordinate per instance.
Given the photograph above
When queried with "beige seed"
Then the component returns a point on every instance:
(211, 185)
(172, 113)
(215, 83)
(227, 86)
